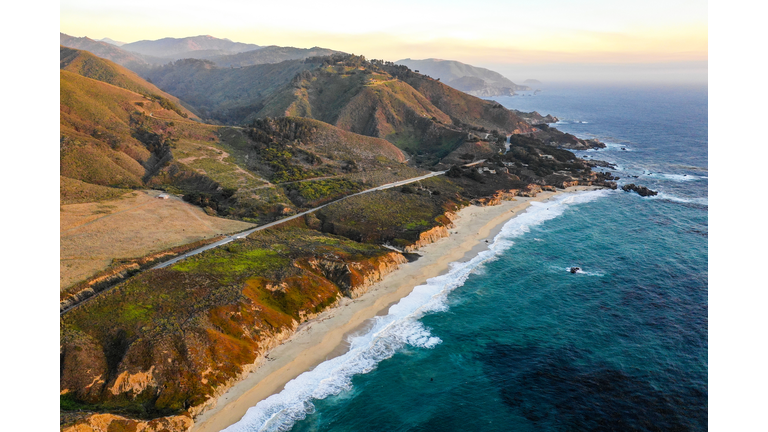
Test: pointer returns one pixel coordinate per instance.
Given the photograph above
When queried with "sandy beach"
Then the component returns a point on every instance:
(324, 337)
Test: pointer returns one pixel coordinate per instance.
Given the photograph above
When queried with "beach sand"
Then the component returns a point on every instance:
(324, 337)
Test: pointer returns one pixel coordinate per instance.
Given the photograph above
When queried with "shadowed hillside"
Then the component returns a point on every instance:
(225, 95)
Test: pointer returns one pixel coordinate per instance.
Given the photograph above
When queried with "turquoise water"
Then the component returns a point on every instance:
(511, 340)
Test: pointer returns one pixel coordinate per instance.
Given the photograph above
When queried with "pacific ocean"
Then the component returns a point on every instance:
(513, 341)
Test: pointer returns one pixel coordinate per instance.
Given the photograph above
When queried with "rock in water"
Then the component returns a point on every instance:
(641, 190)
(575, 269)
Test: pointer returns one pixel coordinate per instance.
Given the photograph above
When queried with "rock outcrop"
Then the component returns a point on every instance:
(641, 190)
(113, 423)
(497, 198)
(428, 237)
(353, 279)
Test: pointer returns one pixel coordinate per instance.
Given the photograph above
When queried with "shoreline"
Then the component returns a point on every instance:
(324, 337)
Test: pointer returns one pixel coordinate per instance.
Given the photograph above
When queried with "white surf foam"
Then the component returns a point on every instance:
(673, 177)
(392, 332)
(588, 273)
(670, 197)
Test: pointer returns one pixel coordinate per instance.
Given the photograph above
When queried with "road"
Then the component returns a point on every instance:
(278, 222)
(271, 224)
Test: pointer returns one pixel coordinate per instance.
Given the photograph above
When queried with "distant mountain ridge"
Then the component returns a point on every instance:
(194, 46)
(103, 50)
(270, 54)
(143, 56)
(470, 79)
(112, 42)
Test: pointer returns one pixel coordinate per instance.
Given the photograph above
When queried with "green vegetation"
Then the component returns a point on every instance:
(210, 314)
(314, 193)
(394, 216)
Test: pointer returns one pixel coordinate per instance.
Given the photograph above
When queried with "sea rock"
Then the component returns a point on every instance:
(641, 190)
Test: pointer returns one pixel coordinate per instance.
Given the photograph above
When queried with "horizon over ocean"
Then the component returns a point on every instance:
(511, 340)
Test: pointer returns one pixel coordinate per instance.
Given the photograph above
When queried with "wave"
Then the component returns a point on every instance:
(673, 177)
(670, 197)
(391, 332)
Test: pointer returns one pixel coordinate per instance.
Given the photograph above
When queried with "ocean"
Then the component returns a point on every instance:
(511, 340)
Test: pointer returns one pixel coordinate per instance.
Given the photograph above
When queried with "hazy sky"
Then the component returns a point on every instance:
(483, 32)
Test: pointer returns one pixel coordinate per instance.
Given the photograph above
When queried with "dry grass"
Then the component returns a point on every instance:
(133, 225)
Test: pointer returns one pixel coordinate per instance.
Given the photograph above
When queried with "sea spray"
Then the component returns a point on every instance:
(391, 332)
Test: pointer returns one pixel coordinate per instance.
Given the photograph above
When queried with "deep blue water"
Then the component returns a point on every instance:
(511, 340)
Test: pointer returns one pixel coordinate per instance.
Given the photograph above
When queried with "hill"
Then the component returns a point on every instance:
(104, 50)
(418, 114)
(470, 79)
(270, 54)
(189, 47)
(88, 65)
(225, 95)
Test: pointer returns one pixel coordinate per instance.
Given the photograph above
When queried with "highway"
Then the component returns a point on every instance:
(286, 219)
(246, 233)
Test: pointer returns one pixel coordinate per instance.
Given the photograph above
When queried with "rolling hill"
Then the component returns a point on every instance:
(470, 79)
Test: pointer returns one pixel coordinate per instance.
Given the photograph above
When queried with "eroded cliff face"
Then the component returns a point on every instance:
(353, 279)
(497, 198)
(114, 423)
(184, 369)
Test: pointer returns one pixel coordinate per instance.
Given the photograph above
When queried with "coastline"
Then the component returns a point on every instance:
(324, 337)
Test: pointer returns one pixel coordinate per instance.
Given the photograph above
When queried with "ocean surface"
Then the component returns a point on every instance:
(511, 340)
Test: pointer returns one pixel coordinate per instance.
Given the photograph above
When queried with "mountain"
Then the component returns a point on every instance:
(226, 95)
(473, 80)
(532, 82)
(188, 47)
(418, 114)
(270, 54)
(112, 42)
(106, 111)
(91, 66)
(103, 50)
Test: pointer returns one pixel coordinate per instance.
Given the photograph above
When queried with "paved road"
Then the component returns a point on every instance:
(271, 224)
(278, 222)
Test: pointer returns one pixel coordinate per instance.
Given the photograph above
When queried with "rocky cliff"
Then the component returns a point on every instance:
(154, 354)
(114, 423)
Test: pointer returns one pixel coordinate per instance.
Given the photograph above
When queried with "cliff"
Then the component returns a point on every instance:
(114, 423)
(170, 350)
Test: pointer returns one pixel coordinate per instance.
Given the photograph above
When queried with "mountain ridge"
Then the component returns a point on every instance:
(470, 79)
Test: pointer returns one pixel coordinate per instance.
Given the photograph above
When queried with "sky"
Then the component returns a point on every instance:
(538, 37)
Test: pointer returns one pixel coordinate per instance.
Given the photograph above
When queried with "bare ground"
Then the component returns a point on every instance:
(133, 225)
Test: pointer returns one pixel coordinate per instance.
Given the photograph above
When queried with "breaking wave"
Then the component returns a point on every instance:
(393, 331)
